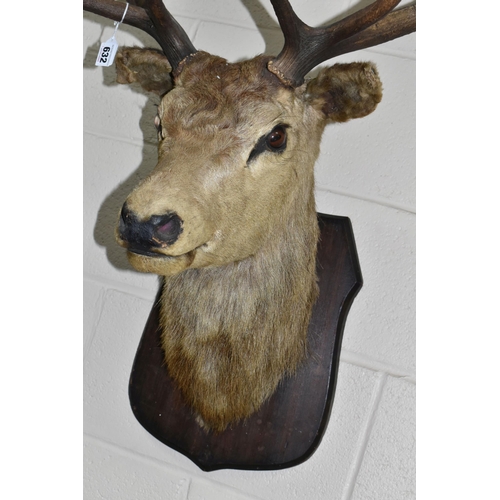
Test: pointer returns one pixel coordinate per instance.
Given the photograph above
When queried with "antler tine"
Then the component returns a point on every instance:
(172, 38)
(152, 17)
(111, 9)
(397, 23)
(306, 47)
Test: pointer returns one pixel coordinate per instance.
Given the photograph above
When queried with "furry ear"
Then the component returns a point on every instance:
(148, 67)
(345, 91)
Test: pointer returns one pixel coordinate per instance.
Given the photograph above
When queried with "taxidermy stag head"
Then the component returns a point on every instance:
(227, 217)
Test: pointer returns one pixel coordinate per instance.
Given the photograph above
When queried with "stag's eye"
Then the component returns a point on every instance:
(275, 142)
(158, 127)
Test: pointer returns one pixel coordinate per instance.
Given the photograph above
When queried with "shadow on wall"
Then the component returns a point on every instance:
(107, 217)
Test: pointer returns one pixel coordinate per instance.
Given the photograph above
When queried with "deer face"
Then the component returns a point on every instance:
(236, 154)
(233, 190)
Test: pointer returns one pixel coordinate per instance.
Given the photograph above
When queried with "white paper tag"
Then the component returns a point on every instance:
(106, 54)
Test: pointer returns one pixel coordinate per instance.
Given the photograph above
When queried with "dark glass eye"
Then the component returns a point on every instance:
(277, 138)
(275, 142)
(158, 126)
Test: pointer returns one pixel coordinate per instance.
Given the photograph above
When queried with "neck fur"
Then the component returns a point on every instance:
(231, 333)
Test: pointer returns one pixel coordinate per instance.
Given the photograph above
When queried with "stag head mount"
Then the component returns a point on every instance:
(227, 216)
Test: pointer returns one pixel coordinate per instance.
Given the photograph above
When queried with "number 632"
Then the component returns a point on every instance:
(104, 55)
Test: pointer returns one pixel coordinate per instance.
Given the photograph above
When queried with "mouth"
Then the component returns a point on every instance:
(148, 253)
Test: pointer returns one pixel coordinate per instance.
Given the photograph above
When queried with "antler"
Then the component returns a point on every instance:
(152, 17)
(306, 47)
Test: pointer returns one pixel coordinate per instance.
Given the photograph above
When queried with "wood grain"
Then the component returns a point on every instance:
(289, 427)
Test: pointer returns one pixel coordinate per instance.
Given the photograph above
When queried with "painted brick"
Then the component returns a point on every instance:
(91, 309)
(236, 43)
(388, 468)
(381, 323)
(107, 412)
(374, 157)
(252, 13)
(207, 490)
(112, 169)
(116, 474)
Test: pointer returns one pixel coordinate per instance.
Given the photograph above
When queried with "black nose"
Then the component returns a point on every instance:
(158, 231)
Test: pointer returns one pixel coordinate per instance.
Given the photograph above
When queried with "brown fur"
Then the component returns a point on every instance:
(346, 91)
(240, 282)
(151, 69)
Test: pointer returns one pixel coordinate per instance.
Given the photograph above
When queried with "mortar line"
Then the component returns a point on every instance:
(371, 199)
(400, 54)
(364, 361)
(225, 22)
(95, 320)
(117, 138)
(139, 456)
(111, 284)
(364, 438)
(190, 473)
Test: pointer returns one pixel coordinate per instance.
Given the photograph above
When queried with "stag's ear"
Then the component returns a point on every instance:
(148, 67)
(345, 91)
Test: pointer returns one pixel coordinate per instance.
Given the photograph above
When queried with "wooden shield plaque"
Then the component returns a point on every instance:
(290, 425)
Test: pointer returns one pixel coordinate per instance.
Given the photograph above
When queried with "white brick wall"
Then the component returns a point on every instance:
(366, 171)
